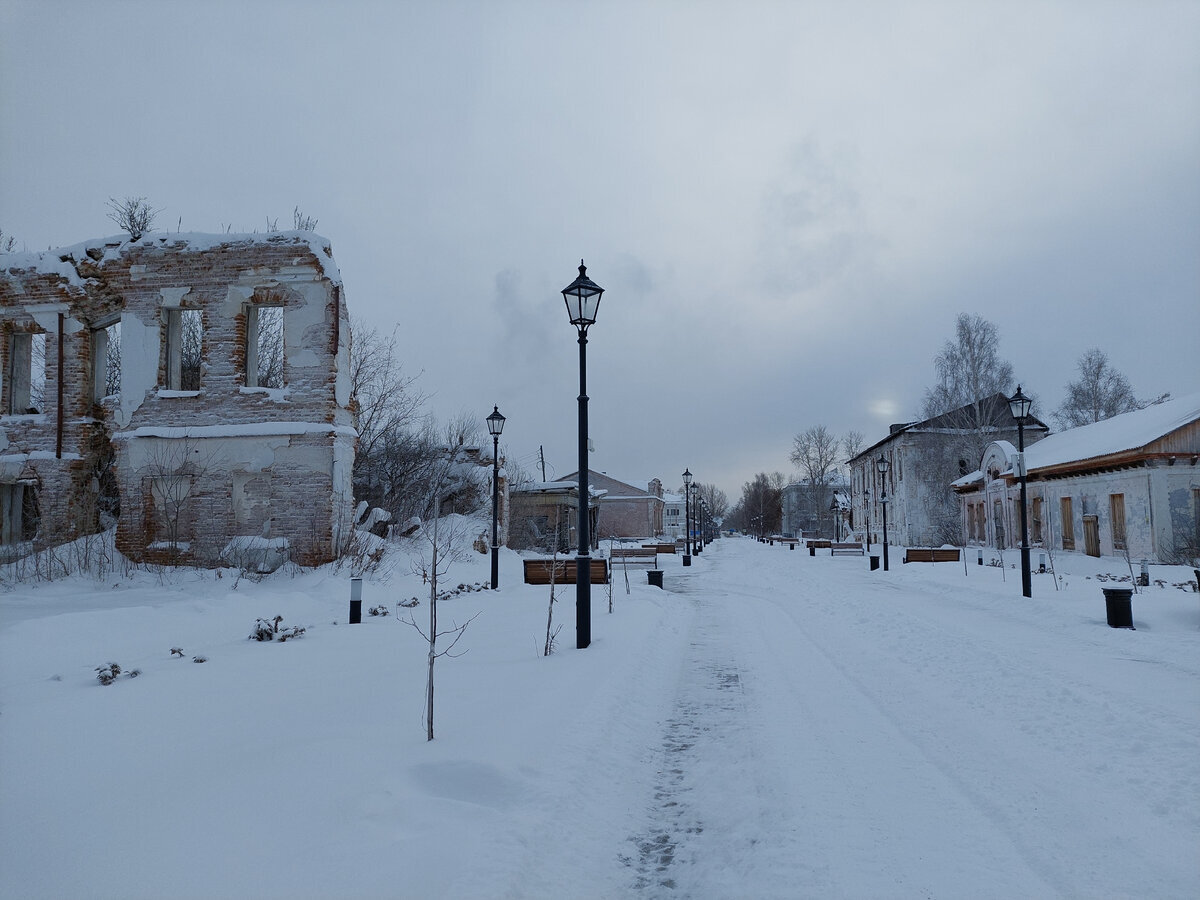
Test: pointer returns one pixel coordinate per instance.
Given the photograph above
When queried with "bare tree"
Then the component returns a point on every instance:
(7, 242)
(759, 510)
(444, 548)
(1099, 393)
(395, 440)
(815, 453)
(718, 502)
(852, 444)
(133, 214)
(969, 368)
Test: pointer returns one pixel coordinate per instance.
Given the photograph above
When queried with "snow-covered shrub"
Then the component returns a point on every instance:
(199, 659)
(380, 610)
(177, 651)
(108, 673)
(269, 630)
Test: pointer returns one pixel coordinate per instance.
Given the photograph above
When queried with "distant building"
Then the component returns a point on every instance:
(1129, 484)
(807, 510)
(544, 516)
(924, 457)
(674, 516)
(625, 510)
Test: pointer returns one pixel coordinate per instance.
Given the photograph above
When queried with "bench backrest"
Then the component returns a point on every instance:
(931, 554)
(537, 571)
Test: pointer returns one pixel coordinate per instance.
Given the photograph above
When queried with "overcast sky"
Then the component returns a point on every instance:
(786, 203)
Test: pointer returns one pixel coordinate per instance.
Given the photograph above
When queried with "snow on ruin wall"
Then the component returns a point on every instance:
(193, 467)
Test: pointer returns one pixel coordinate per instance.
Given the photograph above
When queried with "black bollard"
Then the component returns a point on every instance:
(355, 601)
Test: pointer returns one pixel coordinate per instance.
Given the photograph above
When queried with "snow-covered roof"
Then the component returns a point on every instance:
(1126, 432)
(61, 260)
(555, 487)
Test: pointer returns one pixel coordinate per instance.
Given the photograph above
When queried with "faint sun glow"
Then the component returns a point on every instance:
(884, 408)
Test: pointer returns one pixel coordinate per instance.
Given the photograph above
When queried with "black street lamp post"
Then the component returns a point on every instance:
(1018, 405)
(866, 520)
(495, 424)
(687, 517)
(882, 465)
(582, 297)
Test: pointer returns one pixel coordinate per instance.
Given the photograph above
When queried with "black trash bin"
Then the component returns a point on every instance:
(874, 563)
(812, 551)
(654, 577)
(1119, 606)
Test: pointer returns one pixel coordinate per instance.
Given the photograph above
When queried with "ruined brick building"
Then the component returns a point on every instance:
(223, 422)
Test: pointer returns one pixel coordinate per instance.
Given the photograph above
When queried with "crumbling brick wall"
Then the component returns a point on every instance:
(194, 467)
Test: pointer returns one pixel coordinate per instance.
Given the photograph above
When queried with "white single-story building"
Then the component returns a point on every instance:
(1129, 484)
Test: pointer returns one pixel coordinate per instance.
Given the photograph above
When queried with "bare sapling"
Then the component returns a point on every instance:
(1048, 546)
(445, 548)
(551, 631)
(1129, 562)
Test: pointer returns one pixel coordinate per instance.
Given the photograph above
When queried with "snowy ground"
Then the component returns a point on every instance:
(770, 725)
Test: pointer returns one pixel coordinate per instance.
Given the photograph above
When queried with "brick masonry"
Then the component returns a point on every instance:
(192, 468)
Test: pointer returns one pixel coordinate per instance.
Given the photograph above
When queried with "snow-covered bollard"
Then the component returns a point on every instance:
(355, 601)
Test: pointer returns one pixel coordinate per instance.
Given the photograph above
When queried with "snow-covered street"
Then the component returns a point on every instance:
(769, 725)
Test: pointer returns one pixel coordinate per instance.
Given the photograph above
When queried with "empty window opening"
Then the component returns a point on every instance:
(106, 360)
(19, 514)
(185, 346)
(264, 346)
(1036, 524)
(26, 373)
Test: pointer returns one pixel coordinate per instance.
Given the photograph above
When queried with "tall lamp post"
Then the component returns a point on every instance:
(1018, 405)
(495, 424)
(699, 521)
(582, 297)
(882, 465)
(687, 517)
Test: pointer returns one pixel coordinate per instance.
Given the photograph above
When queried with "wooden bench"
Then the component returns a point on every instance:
(660, 548)
(835, 549)
(635, 555)
(931, 554)
(819, 543)
(537, 571)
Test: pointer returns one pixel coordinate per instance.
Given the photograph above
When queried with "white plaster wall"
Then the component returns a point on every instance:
(140, 343)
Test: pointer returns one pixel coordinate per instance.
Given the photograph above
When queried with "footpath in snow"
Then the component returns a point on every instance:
(769, 725)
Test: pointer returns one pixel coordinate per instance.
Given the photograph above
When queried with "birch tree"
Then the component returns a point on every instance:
(1099, 393)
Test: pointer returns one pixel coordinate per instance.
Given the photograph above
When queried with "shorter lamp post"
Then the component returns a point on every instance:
(1018, 405)
(882, 465)
(867, 522)
(687, 517)
(495, 424)
(700, 526)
